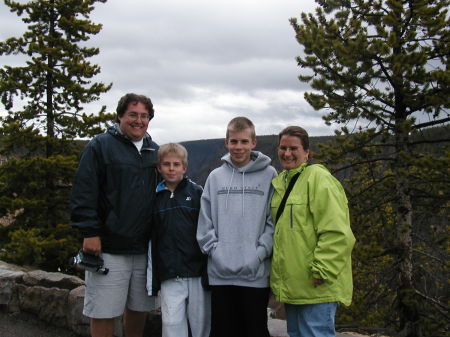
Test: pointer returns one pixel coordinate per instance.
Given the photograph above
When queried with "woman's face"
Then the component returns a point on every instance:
(291, 152)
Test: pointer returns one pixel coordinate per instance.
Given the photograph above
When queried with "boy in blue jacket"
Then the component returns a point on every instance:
(178, 262)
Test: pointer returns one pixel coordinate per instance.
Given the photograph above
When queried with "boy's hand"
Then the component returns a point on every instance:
(92, 245)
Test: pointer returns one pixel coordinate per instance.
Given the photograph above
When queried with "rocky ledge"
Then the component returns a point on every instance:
(53, 298)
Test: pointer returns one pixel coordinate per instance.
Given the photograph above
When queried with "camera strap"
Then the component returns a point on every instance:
(286, 195)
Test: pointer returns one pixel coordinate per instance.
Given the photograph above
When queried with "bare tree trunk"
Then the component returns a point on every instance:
(50, 115)
(408, 309)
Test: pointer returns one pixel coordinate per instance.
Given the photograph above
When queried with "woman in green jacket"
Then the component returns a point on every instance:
(311, 265)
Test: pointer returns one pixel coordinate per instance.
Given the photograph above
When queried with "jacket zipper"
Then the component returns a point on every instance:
(292, 222)
(150, 150)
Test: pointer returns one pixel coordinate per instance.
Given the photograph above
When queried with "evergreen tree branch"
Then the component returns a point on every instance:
(432, 123)
(437, 303)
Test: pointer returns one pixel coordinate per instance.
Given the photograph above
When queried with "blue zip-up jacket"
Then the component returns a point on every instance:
(175, 250)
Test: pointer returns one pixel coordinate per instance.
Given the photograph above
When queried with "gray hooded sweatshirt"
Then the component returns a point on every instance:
(235, 227)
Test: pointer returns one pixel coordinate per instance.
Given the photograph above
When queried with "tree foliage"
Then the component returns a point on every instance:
(380, 70)
(44, 102)
(55, 81)
(47, 248)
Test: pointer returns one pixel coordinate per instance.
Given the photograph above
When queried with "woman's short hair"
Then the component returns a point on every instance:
(296, 131)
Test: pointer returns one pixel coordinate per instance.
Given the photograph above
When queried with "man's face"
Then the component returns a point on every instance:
(291, 152)
(172, 169)
(134, 121)
(240, 144)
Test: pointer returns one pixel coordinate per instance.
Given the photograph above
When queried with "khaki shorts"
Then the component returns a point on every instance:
(124, 286)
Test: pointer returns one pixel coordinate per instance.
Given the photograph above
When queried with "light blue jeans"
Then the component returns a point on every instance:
(311, 320)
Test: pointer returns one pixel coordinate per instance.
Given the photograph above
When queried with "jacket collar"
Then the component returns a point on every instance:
(115, 130)
(281, 182)
(162, 185)
(288, 174)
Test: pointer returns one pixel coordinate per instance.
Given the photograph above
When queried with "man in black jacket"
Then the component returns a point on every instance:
(111, 203)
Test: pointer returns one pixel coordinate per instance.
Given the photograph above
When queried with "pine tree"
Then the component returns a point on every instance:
(44, 101)
(380, 70)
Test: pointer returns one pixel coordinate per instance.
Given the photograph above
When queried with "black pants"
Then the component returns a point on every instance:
(239, 311)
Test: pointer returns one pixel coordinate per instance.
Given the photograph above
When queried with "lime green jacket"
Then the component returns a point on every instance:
(312, 239)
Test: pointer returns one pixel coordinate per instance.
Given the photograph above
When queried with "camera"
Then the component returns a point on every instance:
(85, 261)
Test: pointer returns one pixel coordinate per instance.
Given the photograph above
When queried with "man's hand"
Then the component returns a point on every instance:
(92, 245)
(317, 282)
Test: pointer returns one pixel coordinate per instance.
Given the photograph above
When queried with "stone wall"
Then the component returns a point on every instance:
(54, 298)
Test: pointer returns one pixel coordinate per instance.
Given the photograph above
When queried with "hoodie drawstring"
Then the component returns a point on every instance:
(229, 188)
(243, 193)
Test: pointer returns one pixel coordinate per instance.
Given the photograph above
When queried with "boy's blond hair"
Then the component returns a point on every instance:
(240, 124)
(173, 148)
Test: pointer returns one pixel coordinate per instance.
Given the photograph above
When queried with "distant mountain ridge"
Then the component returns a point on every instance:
(204, 155)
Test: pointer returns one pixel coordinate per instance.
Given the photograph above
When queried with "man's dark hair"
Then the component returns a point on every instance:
(134, 99)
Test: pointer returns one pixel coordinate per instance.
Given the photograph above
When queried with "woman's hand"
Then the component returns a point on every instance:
(317, 282)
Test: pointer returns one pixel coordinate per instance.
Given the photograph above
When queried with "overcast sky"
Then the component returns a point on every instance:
(202, 62)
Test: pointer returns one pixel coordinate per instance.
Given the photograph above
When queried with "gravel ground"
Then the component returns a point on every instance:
(21, 325)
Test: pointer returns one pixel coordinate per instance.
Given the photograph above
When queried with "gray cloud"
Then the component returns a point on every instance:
(202, 62)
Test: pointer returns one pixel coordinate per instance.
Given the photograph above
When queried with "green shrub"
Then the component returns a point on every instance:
(46, 249)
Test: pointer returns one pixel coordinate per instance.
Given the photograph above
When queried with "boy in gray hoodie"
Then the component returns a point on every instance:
(235, 230)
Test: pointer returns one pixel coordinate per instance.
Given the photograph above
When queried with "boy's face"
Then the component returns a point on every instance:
(240, 145)
(172, 169)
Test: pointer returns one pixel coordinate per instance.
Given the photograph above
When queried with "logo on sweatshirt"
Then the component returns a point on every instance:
(188, 198)
(240, 190)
